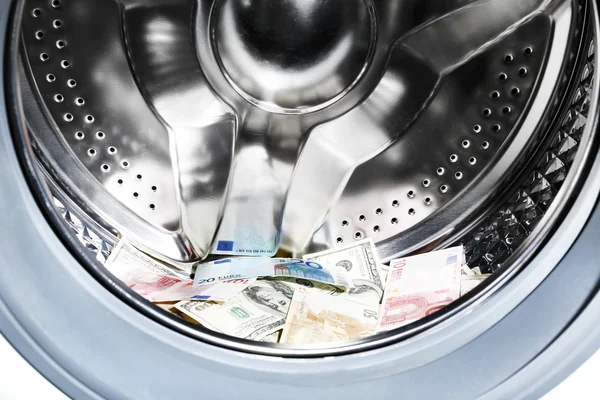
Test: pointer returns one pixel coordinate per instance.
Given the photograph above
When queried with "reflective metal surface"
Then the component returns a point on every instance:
(300, 123)
(293, 56)
(547, 94)
(490, 243)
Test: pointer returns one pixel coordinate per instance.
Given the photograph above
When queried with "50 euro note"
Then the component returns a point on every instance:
(158, 282)
(316, 317)
(256, 313)
(362, 263)
(240, 268)
(418, 286)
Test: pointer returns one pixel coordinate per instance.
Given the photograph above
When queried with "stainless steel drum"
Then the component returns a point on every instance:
(246, 126)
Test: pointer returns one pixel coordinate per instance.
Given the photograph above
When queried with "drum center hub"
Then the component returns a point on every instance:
(293, 56)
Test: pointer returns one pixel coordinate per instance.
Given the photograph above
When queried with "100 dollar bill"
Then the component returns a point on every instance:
(191, 309)
(361, 262)
(238, 268)
(257, 312)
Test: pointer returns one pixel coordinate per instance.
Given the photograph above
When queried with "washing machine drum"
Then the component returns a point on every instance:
(199, 127)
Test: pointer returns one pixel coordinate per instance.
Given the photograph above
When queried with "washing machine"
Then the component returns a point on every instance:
(191, 126)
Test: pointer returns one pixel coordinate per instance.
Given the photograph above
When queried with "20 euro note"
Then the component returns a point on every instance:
(239, 268)
(158, 283)
(420, 285)
(316, 317)
(361, 261)
(254, 314)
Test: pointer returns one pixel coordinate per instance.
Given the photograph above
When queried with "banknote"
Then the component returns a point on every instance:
(191, 308)
(167, 306)
(126, 254)
(254, 314)
(362, 263)
(157, 282)
(315, 317)
(420, 285)
(324, 287)
(251, 221)
(247, 234)
(465, 270)
(272, 338)
(476, 271)
(383, 272)
(468, 283)
(248, 267)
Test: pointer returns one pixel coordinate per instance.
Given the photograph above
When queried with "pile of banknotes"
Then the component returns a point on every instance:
(336, 295)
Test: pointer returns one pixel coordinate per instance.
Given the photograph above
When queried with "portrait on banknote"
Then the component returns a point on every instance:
(271, 296)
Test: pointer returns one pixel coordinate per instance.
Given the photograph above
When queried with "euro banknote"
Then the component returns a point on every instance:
(157, 282)
(418, 286)
(241, 268)
(315, 317)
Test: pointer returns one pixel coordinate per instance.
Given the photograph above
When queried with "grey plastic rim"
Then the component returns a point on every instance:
(91, 345)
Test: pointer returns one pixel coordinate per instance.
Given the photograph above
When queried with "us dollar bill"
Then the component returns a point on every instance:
(272, 338)
(361, 261)
(191, 309)
(420, 285)
(255, 313)
(383, 271)
(301, 282)
(315, 317)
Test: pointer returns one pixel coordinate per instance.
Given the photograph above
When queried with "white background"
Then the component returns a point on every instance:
(20, 381)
